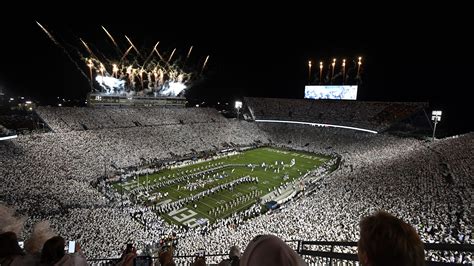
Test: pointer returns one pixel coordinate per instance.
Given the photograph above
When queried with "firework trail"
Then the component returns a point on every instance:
(158, 53)
(62, 47)
(131, 43)
(172, 53)
(126, 53)
(204, 65)
(152, 51)
(189, 53)
(102, 57)
(47, 33)
(87, 47)
(110, 36)
(132, 74)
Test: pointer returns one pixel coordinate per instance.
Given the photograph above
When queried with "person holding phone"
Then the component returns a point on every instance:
(143, 261)
(10, 251)
(21, 244)
(72, 247)
(128, 256)
(54, 253)
(166, 257)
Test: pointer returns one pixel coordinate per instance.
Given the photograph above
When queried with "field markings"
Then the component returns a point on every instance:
(198, 211)
(267, 179)
(204, 204)
(226, 197)
(236, 210)
(194, 210)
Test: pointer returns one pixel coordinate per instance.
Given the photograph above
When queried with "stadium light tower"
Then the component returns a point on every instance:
(333, 67)
(436, 117)
(309, 72)
(358, 68)
(343, 71)
(238, 106)
(320, 71)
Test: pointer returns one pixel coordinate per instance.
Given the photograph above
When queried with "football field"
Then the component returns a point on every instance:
(204, 192)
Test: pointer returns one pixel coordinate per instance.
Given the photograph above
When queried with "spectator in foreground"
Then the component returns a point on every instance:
(234, 257)
(387, 240)
(10, 251)
(128, 256)
(269, 250)
(53, 253)
(199, 261)
(166, 257)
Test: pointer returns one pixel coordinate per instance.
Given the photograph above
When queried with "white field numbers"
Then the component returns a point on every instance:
(184, 216)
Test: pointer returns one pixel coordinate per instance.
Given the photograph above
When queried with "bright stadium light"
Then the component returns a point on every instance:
(333, 67)
(358, 67)
(8, 137)
(320, 71)
(238, 105)
(435, 117)
(309, 72)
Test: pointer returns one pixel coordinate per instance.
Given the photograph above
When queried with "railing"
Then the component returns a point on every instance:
(178, 259)
(345, 253)
(322, 253)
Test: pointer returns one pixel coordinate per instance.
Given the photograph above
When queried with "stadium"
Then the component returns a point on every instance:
(69, 173)
(139, 169)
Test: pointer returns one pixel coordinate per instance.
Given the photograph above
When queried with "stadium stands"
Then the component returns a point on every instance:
(376, 116)
(77, 119)
(47, 176)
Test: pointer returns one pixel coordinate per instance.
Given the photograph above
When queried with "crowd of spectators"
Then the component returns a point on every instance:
(368, 115)
(47, 177)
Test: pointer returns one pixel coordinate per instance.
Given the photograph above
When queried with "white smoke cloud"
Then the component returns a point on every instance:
(172, 88)
(114, 86)
(111, 85)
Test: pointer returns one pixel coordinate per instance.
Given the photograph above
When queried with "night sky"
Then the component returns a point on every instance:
(405, 57)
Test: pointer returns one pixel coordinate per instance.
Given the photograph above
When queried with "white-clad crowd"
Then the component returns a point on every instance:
(67, 119)
(48, 177)
(370, 115)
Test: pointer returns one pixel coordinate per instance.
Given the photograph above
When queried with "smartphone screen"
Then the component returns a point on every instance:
(200, 253)
(71, 247)
(142, 261)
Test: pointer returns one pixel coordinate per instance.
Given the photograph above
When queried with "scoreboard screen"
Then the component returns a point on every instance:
(336, 92)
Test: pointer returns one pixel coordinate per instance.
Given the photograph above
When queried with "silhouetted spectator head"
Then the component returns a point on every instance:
(9, 247)
(387, 240)
(166, 257)
(269, 250)
(42, 231)
(235, 252)
(53, 250)
(199, 261)
(234, 257)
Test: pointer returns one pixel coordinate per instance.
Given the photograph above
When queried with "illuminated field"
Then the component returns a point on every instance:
(238, 181)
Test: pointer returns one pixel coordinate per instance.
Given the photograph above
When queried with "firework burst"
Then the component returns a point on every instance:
(131, 74)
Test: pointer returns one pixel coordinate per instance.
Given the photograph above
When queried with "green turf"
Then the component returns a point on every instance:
(232, 168)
